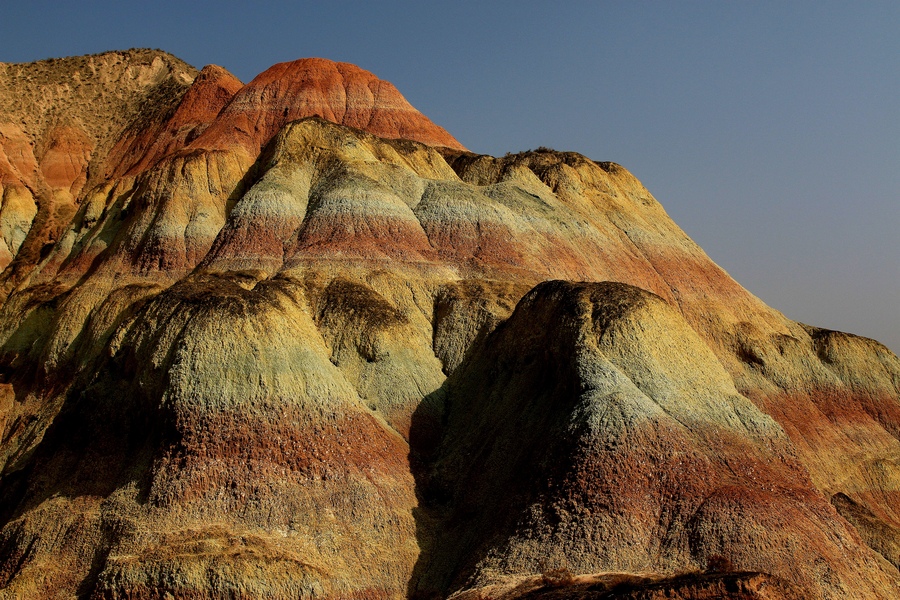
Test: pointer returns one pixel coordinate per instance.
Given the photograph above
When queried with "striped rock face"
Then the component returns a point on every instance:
(290, 339)
(59, 121)
(338, 92)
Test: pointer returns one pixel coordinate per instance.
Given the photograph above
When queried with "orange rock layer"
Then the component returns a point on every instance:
(290, 339)
(338, 92)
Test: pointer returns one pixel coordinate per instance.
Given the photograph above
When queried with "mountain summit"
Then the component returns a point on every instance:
(315, 87)
(290, 339)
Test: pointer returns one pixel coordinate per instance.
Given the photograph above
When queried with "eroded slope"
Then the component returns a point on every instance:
(306, 360)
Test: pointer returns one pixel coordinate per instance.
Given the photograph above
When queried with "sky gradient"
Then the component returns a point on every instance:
(769, 131)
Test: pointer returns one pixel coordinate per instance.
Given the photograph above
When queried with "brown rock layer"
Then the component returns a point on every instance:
(254, 345)
(59, 119)
(150, 140)
(626, 586)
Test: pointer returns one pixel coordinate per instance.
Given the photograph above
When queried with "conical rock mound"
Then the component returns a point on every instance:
(338, 92)
(289, 339)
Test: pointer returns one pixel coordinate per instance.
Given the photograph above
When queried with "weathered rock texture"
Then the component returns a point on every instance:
(59, 118)
(339, 92)
(631, 586)
(290, 340)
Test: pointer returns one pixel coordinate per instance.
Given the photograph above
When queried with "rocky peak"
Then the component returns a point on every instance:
(59, 118)
(149, 140)
(338, 92)
(368, 363)
(99, 93)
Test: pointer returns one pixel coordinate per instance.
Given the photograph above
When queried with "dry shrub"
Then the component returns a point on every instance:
(716, 563)
(556, 576)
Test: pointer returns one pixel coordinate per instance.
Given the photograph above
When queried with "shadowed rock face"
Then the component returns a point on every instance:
(289, 339)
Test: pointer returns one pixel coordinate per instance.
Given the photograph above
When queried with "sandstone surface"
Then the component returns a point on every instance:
(314, 87)
(59, 119)
(290, 339)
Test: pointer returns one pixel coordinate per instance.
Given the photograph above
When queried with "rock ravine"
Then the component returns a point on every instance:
(290, 339)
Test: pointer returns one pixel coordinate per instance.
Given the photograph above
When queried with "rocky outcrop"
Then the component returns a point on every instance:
(314, 87)
(59, 119)
(629, 586)
(595, 429)
(295, 341)
(18, 174)
(152, 138)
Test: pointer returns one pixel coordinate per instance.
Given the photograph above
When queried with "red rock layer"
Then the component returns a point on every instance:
(143, 147)
(226, 373)
(338, 92)
(65, 159)
(17, 161)
(569, 432)
(363, 223)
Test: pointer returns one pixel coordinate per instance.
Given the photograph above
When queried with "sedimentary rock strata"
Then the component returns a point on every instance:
(290, 339)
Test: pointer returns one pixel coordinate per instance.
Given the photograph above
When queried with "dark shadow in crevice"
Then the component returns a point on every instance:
(101, 440)
(502, 443)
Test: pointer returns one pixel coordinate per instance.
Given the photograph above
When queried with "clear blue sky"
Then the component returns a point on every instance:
(770, 131)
